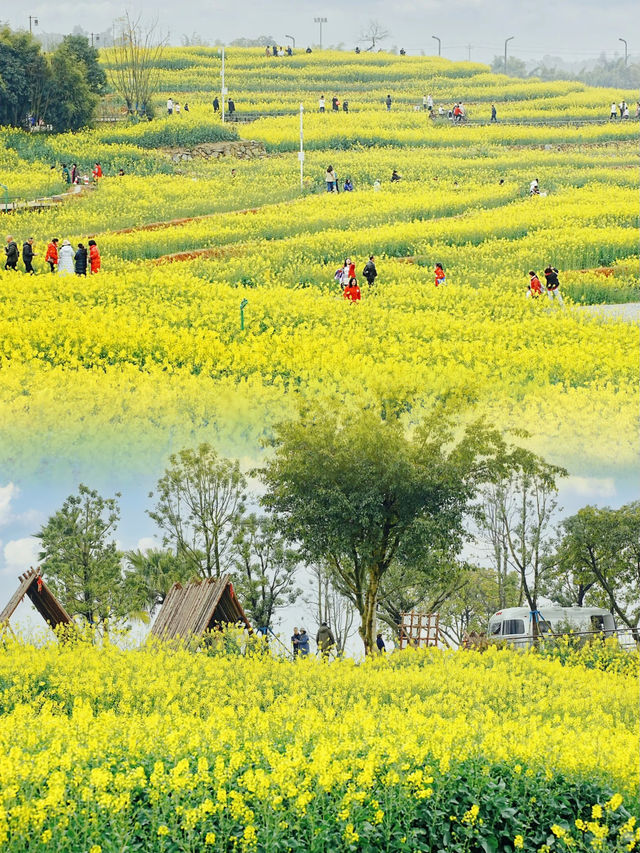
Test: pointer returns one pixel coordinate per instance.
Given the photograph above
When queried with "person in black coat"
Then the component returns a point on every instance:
(27, 255)
(216, 105)
(80, 259)
(380, 644)
(370, 272)
(11, 251)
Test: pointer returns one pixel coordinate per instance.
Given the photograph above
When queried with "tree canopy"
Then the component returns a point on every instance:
(362, 493)
(61, 88)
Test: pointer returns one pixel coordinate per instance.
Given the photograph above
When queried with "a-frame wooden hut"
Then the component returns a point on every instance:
(33, 586)
(200, 606)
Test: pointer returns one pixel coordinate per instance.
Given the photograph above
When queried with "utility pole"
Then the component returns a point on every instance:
(32, 22)
(301, 152)
(293, 41)
(506, 42)
(94, 36)
(320, 21)
(223, 89)
(439, 44)
(626, 52)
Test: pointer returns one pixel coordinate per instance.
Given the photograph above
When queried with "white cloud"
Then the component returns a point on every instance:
(591, 487)
(146, 543)
(7, 494)
(19, 555)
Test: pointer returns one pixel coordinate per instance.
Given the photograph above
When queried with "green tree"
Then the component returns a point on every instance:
(70, 102)
(603, 546)
(200, 506)
(24, 74)
(79, 48)
(81, 561)
(149, 576)
(265, 568)
(360, 493)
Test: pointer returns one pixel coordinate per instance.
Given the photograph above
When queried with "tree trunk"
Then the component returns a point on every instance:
(368, 614)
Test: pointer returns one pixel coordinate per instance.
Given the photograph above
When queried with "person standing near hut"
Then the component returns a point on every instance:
(11, 251)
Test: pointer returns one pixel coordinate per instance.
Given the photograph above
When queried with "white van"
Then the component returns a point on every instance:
(515, 624)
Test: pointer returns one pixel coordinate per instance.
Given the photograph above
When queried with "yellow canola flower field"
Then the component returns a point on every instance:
(163, 749)
(157, 354)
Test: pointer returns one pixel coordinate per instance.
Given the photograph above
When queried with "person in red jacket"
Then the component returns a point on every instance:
(96, 172)
(534, 291)
(440, 276)
(51, 257)
(94, 257)
(352, 291)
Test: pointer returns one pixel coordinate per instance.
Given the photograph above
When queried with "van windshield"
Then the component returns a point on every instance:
(513, 626)
(495, 628)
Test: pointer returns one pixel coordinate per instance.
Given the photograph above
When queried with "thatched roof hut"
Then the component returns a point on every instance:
(200, 606)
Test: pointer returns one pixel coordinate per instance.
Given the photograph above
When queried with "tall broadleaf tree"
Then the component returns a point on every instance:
(200, 506)
(80, 559)
(360, 492)
(265, 568)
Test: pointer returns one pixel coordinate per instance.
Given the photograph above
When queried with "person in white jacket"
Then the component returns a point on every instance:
(65, 259)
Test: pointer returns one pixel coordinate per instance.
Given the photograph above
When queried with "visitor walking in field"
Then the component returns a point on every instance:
(331, 180)
(325, 640)
(74, 173)
(66, 175)
(216, 105)
(614, 111)
(553, 284)
(440, 275)
(321, 104)
(388, 102)
(369, 272)
(295, 642)
(335, 104)
(534, 290)
(51, 256)
(94, 257)
(352, 291)
(27, 256)
(65, 259)
(303, 643)
(232, 107)
(11, 251)
(96, 172)
(494, 114)
(80, 259)
(380, 644)
(169, 106)
(345, 106)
